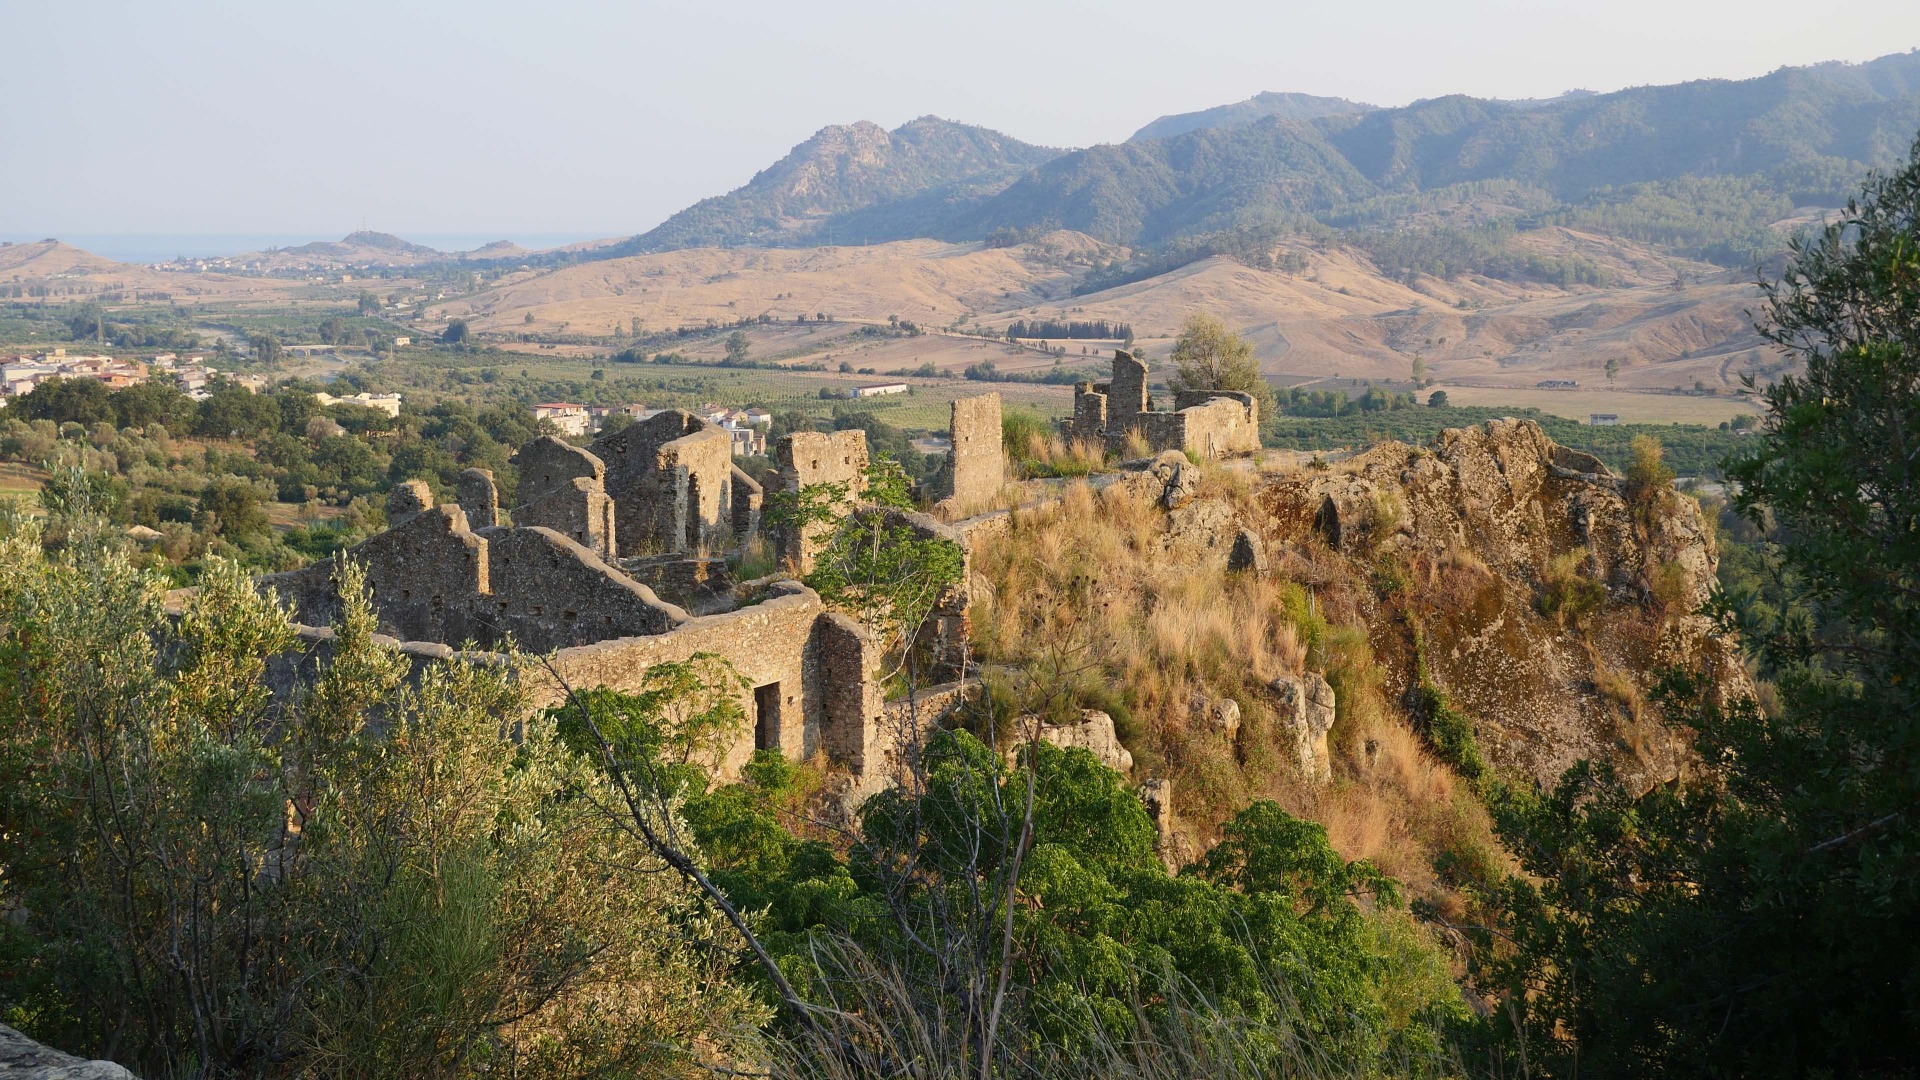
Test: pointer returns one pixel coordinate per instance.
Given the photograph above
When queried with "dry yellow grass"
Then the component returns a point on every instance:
(1095, 606)
(1338, 317)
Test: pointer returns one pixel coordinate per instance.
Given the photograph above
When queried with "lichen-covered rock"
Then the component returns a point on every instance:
(1093, 733)
(1215, 714)
(1305, 713)
(1249, 555)
(1181, 480)
(1483, 538)
(23, 1059)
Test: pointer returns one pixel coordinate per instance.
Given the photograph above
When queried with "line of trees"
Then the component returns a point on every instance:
(1088, 329)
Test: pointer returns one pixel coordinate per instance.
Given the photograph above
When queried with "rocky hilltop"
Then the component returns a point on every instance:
(1541, 594)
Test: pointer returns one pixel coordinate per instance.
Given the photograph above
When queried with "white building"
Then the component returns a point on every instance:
(1603, 419)
(386, 403)
(566, 417)
(748, 441)
(880, 389)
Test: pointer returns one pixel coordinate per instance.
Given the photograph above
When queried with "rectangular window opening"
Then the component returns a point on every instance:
(766, 717)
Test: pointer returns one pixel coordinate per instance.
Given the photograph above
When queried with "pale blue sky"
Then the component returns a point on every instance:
(556, 117)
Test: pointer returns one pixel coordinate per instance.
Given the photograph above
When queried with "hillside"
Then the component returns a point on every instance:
(364, 249)
(1285, 106)
(1332, 314)
(1804, 133)
(1692, 164)
(852, 183)
(59, 272)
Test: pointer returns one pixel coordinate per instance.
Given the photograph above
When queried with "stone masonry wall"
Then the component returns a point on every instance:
(548, 464)
(1219, 424)
(979, 462)
(422, 573)
(1128, 393)
(578, 510)
(670, 477)
(1210, 424)
(854, 708)
(1089, 411)
(776, 642)
(747, 498)
(551, 593)
(433, 579)
(807, 458)
(479, 497)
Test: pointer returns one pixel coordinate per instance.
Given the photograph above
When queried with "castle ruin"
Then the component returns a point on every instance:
(576, 571)
(1210, 424)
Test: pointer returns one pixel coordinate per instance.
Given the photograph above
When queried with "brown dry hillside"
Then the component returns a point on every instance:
(74, 274)
(922, 280)
(1668, 322)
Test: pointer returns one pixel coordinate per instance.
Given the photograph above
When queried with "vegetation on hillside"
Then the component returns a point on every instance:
(1757, 918)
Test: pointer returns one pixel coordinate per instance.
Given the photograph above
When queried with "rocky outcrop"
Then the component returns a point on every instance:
(1460, 555)
(1249, 555)
(1172, 848)
(23, 1059)
(1093, 733)
(1221, 714)
(1305, 713)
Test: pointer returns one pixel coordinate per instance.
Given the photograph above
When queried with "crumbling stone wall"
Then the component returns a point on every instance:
(815, 669)
(407, 500)
(1208, 423)
(978, 462)
(1219, 423)
(807, 458)
(747, 500)
(1089, 411)
(1127, 395)
(549, 464)
(479, 497)
(578, 510)
(422, 572)
(434, 579)
(549, 593)
(671, 479)
(853, 707)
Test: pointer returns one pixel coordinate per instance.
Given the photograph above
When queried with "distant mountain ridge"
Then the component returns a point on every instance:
(366, 240)
(848, 181)
(1805, 132)
(1801, 134)
(1285, 106)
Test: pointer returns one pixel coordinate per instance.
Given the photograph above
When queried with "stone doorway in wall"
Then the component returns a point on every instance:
(766, 717)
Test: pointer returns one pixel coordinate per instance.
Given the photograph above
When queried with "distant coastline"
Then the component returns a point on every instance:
(164, 247)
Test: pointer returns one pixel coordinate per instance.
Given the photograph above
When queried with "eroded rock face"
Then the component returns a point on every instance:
(1305, 713)
(1482, 530)
(1172, 848)
(23, 1059)
(1180, 479)
(1094, 733)
(1249, 555)
(1215, 714)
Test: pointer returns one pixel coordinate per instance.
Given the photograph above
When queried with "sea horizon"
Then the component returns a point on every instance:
(165, 247)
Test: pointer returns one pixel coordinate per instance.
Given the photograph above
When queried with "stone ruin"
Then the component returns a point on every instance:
(978, 460)
(575, 571)
(1209, 424)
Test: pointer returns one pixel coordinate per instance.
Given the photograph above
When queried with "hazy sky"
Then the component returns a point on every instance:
(543, 117)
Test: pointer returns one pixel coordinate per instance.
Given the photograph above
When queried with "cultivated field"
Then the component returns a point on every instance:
(1632, 408)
